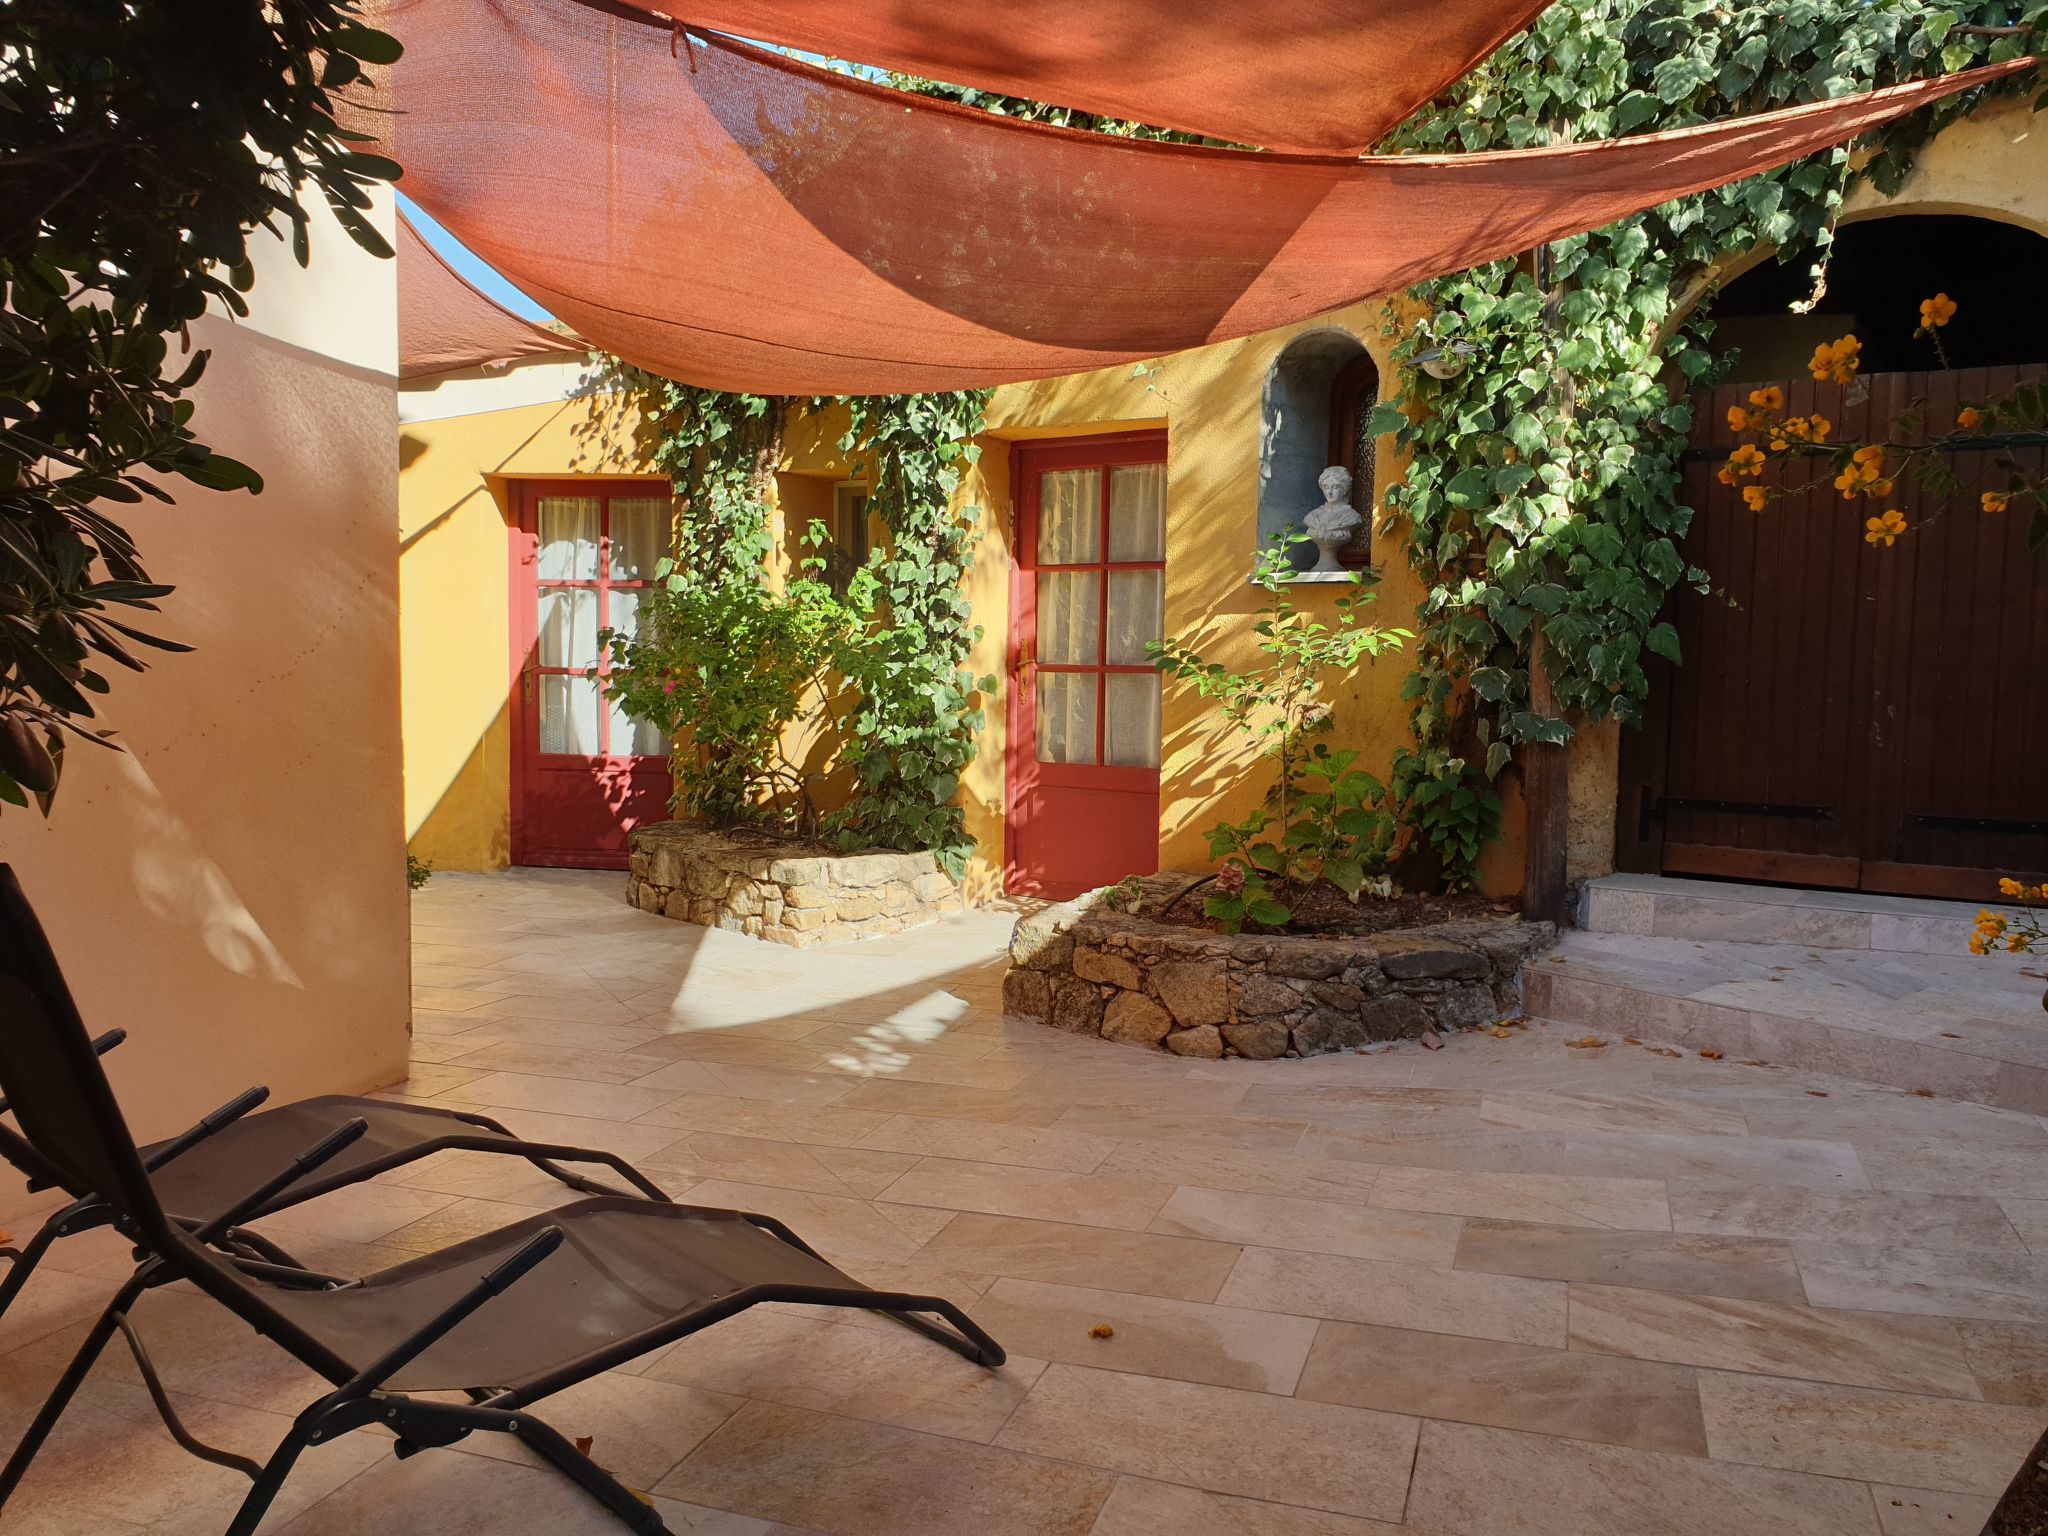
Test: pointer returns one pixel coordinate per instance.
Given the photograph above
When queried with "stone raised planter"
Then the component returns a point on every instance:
(1086, 967)
(771, 888)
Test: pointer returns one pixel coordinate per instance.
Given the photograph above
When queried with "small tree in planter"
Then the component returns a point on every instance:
(1323, 819)
(728, 664)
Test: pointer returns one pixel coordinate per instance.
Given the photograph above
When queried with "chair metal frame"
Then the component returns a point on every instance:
(86, 1212)
(73, 1125)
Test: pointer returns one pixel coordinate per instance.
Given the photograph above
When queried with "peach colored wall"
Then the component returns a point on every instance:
(231, 889)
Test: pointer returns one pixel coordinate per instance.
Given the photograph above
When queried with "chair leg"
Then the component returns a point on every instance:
(67, 1387)
(256, 1502)
(547, 1443)
(29, 1256)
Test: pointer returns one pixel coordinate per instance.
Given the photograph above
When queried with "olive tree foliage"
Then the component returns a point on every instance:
(142, 144)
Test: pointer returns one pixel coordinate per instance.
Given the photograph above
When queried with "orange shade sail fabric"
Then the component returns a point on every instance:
(1326, 77)
(732, 218)
(444, 323)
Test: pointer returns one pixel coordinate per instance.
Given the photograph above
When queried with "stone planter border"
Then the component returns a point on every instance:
(1086, 967)
(771, 888)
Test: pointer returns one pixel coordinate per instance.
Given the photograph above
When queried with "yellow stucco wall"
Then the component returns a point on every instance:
(454, 487)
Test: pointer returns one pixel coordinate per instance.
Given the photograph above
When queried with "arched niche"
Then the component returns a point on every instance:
(1318, 398)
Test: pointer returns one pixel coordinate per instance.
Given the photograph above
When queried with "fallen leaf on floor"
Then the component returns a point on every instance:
(1431, 1042)
(1662, 1050)
(1589, 1043)
(1752, 1063)
(1630, 1040)
(1708, 1053)
(1815, 1093)
(1102, 1331)
(1921, 1093)
(583, 1443)
(1948, 1034)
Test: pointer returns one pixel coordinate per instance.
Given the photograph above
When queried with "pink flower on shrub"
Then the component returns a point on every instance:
(1230, 879)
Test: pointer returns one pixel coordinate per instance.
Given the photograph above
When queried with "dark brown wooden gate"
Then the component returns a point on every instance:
(1849, 715)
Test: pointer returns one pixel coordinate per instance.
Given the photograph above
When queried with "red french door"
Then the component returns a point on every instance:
(1088, 595)
(584, 773)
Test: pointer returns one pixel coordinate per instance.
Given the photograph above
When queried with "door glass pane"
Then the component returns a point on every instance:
(566, 625)
(1130, 720)
(1136, 611)
(1066, 717)
(1069, 516)
(1137, 512)
(639, 529)
(622, 610)
(635, 738)
(567, 537)
(568, 714)
(1069, 616)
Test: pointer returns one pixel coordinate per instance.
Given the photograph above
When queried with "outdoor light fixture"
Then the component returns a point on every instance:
(1445, 362)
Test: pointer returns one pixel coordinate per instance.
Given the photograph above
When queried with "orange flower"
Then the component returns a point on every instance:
(1771, 399)
(1878, 488)
(1937, 311)
(1725, 475)
(1884, 530)
(1848, 482)
(1746, 460)
(1738, 418)
(1969, 418)
(1997, 501)
(2010, 887)
(1755, 497)
(1836, 360)
(1820, 427)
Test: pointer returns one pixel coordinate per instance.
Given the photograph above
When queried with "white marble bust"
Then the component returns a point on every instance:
(1333, 524)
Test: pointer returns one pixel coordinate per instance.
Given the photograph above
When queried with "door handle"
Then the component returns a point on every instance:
(1027, 658)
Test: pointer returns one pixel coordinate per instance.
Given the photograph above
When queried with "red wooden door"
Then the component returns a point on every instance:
(1088, 595)
(1850, 716)
(583, 772)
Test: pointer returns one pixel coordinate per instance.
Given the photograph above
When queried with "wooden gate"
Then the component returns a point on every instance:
(1850, 715)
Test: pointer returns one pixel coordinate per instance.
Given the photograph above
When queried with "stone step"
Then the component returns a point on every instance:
(1940, 1021)
(1662, 906)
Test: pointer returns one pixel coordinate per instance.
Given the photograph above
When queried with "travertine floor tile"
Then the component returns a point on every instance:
(854, 1478)
(1904, 1354)
(1398, 1296)
(1180, 1268)
(1889, 1279)
(1923, 1512)
(891, 1376)
(1759, 1268)
(1058, 1149)
(1510, 1386)
(1923, 1442)
(1317, 1226)
(1495, 1482)
(1149, 1335)
(1009, 1191)
(2010, 1360)
(1140, 1507)
(1534, 1197)
(1938, 1222)
(1246, 1443)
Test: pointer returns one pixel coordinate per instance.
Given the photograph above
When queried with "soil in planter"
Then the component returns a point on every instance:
(1323, 909)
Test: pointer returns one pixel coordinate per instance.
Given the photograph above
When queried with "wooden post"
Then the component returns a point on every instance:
(1546, 792)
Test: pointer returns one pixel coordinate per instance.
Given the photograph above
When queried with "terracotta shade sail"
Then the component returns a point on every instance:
(734, 219)
(1327, 77)
(444, 323)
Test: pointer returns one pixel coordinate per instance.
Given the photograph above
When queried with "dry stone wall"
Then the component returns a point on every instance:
(769, 888)
(1090, 968)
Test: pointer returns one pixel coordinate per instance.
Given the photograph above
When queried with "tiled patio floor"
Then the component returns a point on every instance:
(1509, 1288)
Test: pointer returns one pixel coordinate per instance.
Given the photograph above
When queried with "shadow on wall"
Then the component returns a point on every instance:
(473, 809)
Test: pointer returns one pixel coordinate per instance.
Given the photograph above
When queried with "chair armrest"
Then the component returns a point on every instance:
(498, 1280)
(226, 1115)
(323, 1149)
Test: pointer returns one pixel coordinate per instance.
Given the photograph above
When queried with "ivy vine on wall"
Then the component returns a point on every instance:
(912, 710)
(1544, 478)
